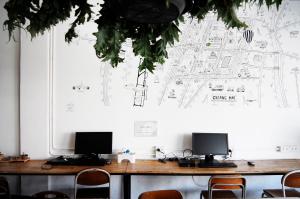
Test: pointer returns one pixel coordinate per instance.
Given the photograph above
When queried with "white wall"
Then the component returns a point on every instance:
(9, 95)
(254, 132)
(52, 111)
(34, 114)
(9, 90)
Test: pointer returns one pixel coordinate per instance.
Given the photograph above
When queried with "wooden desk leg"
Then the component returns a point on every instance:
(127, 186)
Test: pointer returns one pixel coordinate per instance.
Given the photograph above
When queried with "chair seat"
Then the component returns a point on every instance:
(50, 194)
(219, 194)
(99, 192)
(161, 194)
(278, 193)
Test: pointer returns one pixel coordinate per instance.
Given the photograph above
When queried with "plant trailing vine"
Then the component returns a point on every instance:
(149, 40)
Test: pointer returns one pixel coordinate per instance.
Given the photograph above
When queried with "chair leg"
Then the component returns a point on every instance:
(201, 195)
(243, 193)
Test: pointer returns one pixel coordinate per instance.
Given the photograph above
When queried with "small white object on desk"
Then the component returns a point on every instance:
(126, 156)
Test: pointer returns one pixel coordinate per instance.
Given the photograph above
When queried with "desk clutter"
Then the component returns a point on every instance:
(79, 161)
(20, 158)
(90, 146)
(126, 155)
(183, 162)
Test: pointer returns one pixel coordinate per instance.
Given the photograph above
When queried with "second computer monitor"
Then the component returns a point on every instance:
(93, 143)
(210, 144)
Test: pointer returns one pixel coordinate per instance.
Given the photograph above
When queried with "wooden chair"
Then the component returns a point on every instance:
(4, 191)
(291, 180)
(221, 187)
(161, 194)
(4, 188)
(91, 183)
(50, 194)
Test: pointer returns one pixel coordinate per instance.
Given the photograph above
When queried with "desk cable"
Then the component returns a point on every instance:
(175, 157)
(185, 151)
(229, 155)
(197, 184)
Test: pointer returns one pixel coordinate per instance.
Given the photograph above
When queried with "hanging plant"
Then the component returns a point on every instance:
(152, 25)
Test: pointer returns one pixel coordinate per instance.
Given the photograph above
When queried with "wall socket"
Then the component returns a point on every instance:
(287, 148)
(157, 153)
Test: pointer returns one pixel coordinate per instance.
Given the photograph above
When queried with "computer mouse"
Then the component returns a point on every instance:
(250, 163)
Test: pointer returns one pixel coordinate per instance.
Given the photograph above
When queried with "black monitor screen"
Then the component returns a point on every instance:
(93, 143)
(210, 143)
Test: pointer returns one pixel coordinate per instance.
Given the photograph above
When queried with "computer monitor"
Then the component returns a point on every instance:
(210, 144)
(89, 143)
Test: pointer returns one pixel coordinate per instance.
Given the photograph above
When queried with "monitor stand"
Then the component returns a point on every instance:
(92, 156)
(209, 159)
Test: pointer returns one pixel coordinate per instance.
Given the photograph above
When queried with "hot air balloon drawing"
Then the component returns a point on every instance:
(248, 35)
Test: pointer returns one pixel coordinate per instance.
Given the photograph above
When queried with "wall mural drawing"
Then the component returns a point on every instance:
(215, 66)
(211, 65)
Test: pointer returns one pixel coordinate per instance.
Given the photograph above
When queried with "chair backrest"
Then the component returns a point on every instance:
(227, 182)
(161, 194)
(50, 194)
(291, 179)
(4, 188)
(92, 177)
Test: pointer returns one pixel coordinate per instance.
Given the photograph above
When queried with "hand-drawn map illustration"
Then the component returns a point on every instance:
(212, 65)
(211, 70)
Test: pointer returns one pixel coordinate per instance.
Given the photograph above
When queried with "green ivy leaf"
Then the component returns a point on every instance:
(149, 41)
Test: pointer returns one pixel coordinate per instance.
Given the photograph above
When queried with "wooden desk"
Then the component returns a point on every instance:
(152, 167)
(262, 167)
(34, 167)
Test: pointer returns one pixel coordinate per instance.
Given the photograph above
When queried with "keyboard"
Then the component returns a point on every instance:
(78, 161)
(203, 164)
(217, 165)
